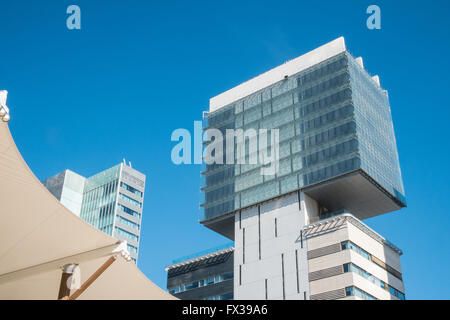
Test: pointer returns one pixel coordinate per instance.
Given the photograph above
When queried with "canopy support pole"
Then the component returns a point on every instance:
(92, 278)
(64, 287)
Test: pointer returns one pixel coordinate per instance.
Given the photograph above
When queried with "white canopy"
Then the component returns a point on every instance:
(38, 236)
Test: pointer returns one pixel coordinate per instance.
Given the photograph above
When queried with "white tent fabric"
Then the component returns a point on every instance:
(38, 236)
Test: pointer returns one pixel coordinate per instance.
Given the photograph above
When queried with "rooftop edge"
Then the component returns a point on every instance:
(276, 74)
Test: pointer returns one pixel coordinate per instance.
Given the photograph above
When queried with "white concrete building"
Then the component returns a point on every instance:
(348, 260)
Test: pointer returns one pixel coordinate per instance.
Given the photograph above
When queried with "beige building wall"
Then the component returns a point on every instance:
(326, 259)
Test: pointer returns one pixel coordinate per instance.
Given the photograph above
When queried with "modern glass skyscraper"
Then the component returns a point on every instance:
(112, 201)
(298, 233)
(336, 134)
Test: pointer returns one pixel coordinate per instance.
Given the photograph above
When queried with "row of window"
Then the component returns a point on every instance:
(331, 171)
(350, 245)
(218, 209)
(226, 296)
(244, 182)
(221, 192)
(335, 151)
(351, 267)
(201, 283)
(345, 245)
(98, 205)
(218, 117)
(329, 135)
(327, 118)
(326, 85)
(355, 291)
(132, 248)
(228, 112)
(107, 229)
(326, 102)
(266, 191)
(126, 234)
(129, 211)
(130, 200)
(131, 189)
(220, 176)
(129, 223)
(323, 71)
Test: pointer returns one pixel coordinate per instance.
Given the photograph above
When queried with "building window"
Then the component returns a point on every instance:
(129, 223)
(127, 234)
(192, 285)
(355, 291)
(130, 200)
(348, 245)
(396, 293)
(132, 248)
(202, 283)
(349, 291)
(351, 267)
(226, 296)
(131, 189)
(129, 211)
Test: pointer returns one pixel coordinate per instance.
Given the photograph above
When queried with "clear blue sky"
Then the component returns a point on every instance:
(137, 70)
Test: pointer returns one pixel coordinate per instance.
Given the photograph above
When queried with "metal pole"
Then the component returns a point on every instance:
(64, 289)
(92, 278)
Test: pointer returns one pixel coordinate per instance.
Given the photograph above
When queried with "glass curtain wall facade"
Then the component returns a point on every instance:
(332, 119)
(99, 200)
(111, 201)
(376, 144)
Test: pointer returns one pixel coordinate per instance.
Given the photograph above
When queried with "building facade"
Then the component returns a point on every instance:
(111, 201)
(337, 153)
(208, 276)
(348, 260)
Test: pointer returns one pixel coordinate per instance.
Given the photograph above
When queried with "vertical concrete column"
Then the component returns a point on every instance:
(270, 260)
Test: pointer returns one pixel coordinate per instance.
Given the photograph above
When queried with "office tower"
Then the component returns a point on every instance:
(112, 201)
(337, 157)
(207, 275)
(67, 187)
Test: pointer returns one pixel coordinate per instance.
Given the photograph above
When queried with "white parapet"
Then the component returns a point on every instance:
(3, 97)
(360, 61)
(376, 78)
(277, 74)
(4, 111)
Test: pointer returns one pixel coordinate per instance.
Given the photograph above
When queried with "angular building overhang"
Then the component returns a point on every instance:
(223, 225)
(355, 191)
(39, 237)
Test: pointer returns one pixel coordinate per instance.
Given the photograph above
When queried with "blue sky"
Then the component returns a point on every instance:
(138, 70)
